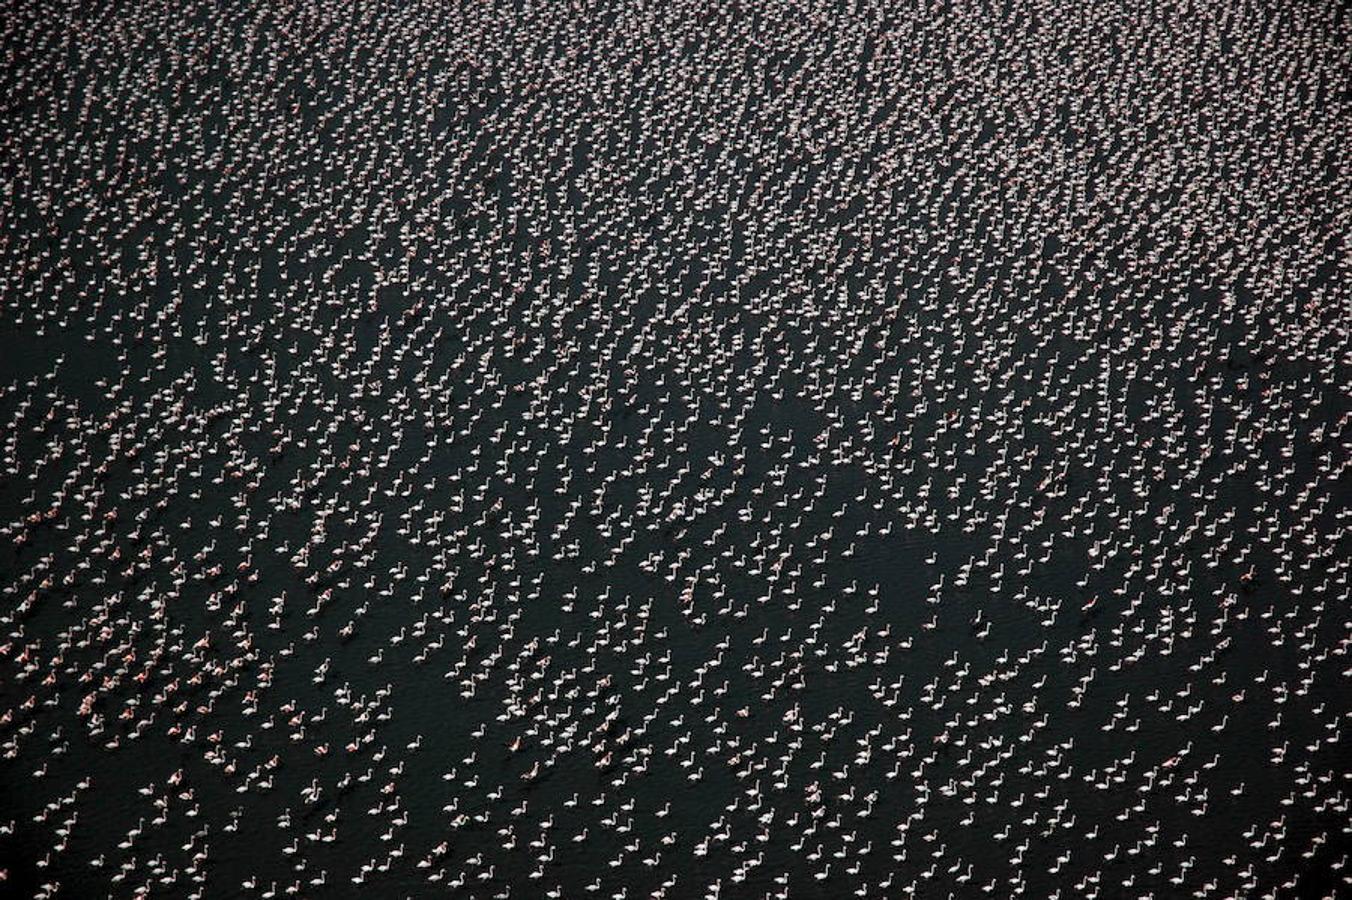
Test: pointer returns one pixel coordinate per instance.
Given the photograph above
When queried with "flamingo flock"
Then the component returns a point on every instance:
(675, 450)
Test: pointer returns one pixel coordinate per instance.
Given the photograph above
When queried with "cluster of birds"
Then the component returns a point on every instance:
(675, 449)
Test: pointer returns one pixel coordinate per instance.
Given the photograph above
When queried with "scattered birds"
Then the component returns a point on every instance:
(897, 445)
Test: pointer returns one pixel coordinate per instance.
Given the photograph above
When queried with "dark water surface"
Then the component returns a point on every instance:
(674, 450)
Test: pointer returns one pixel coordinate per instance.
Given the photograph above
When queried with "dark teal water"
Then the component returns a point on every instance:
(840, 450)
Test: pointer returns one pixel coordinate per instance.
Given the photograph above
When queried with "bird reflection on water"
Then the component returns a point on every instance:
(775, 450)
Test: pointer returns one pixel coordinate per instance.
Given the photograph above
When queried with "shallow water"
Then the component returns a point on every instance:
(653, 375)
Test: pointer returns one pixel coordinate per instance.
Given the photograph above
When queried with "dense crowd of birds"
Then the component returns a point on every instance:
(674, 449)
